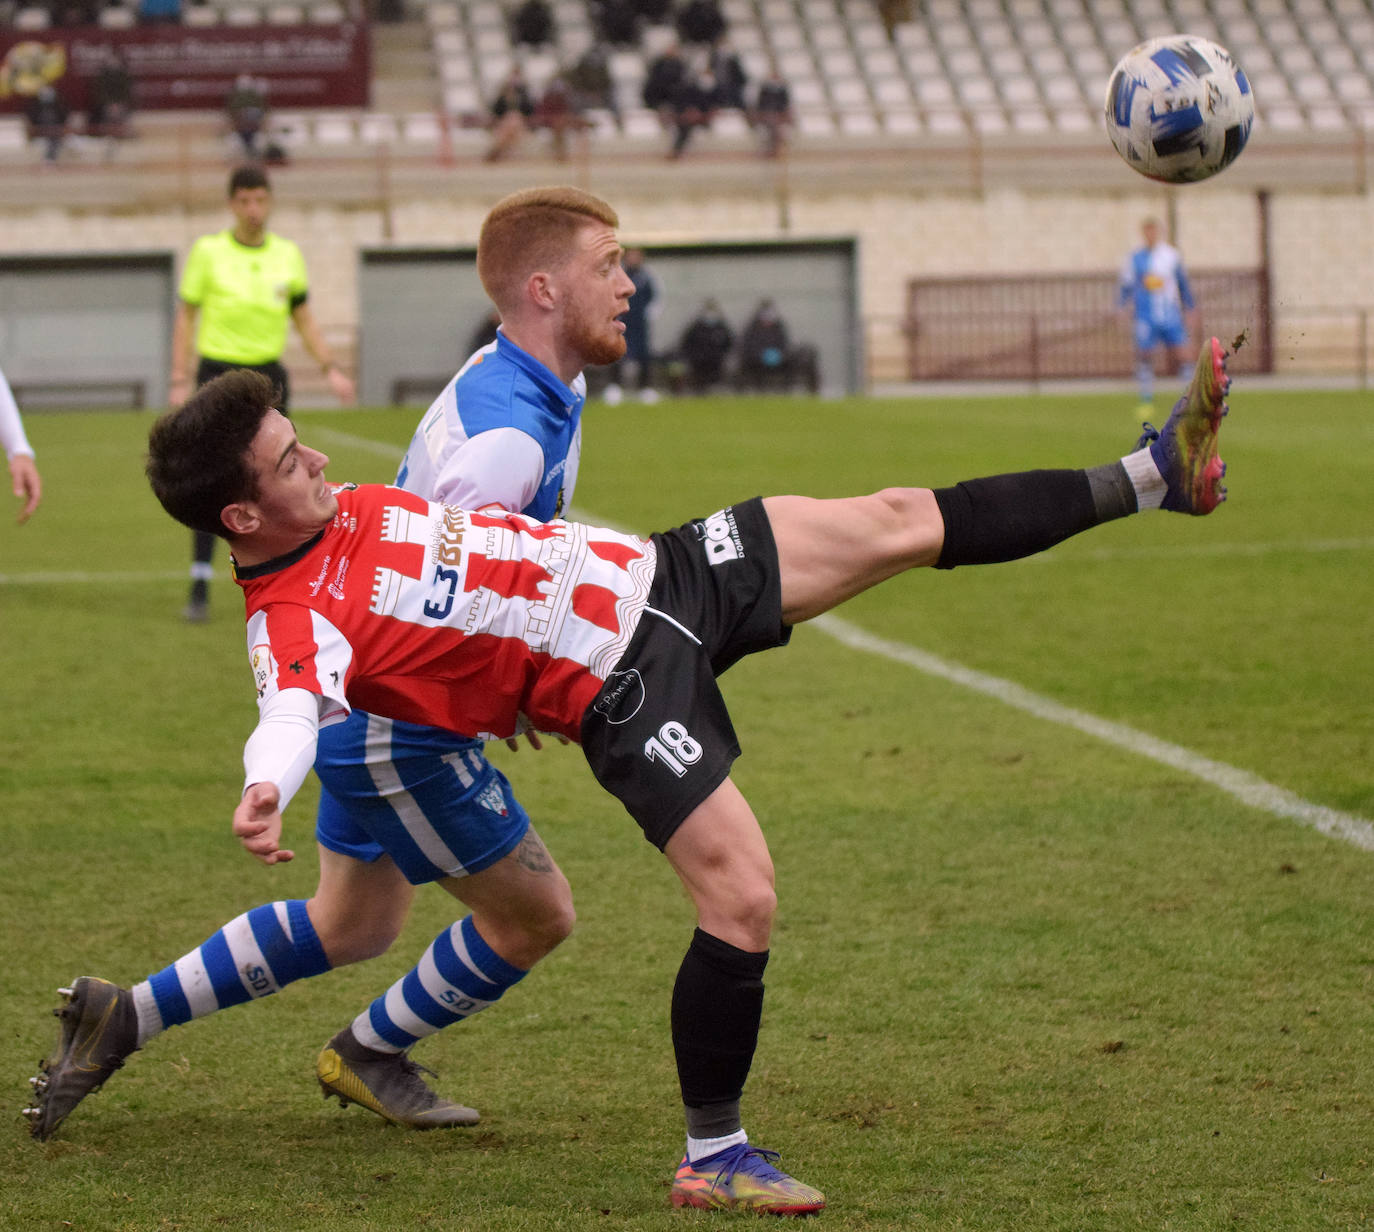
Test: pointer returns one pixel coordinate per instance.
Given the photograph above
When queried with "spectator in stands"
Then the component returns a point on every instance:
(663, 81)
(112, 98)
(700, 21)
(511, 112)
(532, 23)
(150, 12)
(591, 82)
(616, 22)
(653, 12)
(772, 113)
(73, 12)
(894, 12)
(559, 112)
(28, 487)
(705, 347)
(730, 76)
(48, 116)
(246, 107)
(694, 108)
(646, 303)
(764, 350)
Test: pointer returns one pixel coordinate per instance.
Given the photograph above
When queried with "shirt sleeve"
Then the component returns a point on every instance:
(12, 436)
(299, 287)
(502, 466)
(1125, 282)
(1185, 289)
(292, 647)
(281, 749)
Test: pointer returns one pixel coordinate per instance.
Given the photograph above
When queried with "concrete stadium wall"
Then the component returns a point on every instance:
(1322, 256)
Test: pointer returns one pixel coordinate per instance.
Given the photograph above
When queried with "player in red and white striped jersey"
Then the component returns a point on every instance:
(655, 731)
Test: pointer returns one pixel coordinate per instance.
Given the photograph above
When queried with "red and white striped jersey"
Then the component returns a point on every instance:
(483, 623)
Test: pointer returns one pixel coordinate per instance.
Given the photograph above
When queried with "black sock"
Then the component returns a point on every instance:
(1006, 517)
(716, 1009)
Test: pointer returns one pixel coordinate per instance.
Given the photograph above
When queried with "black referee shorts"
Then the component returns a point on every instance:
(274, 370)
(658, 736)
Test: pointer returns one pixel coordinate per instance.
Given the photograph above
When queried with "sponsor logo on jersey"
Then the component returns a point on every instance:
(621, 698)
(721, 538)
(264, 666)
(336, 586)
(319, 579)
(448, 546)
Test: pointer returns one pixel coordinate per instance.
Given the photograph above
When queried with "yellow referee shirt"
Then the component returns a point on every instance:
(244, 296)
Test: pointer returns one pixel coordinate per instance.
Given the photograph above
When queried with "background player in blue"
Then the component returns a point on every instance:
(1154, 287)
(402, 805)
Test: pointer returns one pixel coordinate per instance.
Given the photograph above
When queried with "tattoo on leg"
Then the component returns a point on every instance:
(532, 854)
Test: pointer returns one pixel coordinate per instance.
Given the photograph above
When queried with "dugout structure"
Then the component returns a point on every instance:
(87, 330)
(418, 307)
(1064, 326)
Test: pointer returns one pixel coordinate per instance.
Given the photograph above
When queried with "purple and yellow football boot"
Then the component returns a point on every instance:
(1185, 449)
(742, 1178)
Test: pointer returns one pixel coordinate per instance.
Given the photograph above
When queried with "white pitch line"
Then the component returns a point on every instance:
(1244, 786)
(1305, 547)
(85, 577)
(381, 449)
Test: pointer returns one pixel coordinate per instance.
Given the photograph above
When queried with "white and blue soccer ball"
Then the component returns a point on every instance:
(1179, 108)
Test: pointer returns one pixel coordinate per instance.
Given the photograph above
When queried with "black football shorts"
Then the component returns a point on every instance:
(658, 736)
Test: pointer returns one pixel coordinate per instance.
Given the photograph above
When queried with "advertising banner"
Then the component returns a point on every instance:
(176, 66)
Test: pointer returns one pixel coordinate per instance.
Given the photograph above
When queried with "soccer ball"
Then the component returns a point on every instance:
(1179, 108)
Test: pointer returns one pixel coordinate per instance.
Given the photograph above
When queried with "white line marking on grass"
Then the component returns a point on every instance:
(86, 577)
(1244, 786)
(1301, 548)
(346, 440)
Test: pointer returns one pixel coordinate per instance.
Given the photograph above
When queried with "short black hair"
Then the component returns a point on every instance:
(250, 175)
(198, 454)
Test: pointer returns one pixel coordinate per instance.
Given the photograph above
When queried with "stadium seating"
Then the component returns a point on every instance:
(990, 67)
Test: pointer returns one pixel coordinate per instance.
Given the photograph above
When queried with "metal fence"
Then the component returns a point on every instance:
(1055, 326)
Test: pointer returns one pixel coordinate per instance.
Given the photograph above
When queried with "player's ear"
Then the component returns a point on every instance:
(240, 518)
(540, 290)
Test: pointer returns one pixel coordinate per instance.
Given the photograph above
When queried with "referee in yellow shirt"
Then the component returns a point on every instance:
(246, 285)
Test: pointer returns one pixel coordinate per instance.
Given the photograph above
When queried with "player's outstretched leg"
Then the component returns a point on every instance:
(99, 1029)
(389, 1083)
(743, 1178)
(1185, 450)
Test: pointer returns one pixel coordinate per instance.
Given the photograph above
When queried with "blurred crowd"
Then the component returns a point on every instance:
(686, 85)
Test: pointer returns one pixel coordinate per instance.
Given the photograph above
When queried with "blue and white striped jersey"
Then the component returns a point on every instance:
(1154, 282)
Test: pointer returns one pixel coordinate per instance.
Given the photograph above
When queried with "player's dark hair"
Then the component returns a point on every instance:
(198, 454)
(248, 176)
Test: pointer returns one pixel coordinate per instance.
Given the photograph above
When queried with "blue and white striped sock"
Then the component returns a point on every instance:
(252, 956)
(458, 975)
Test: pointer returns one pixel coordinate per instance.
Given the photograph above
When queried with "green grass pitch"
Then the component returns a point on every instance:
(1022, 977)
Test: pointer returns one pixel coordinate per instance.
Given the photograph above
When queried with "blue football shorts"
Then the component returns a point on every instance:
(435, 815)
(1168, 332)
